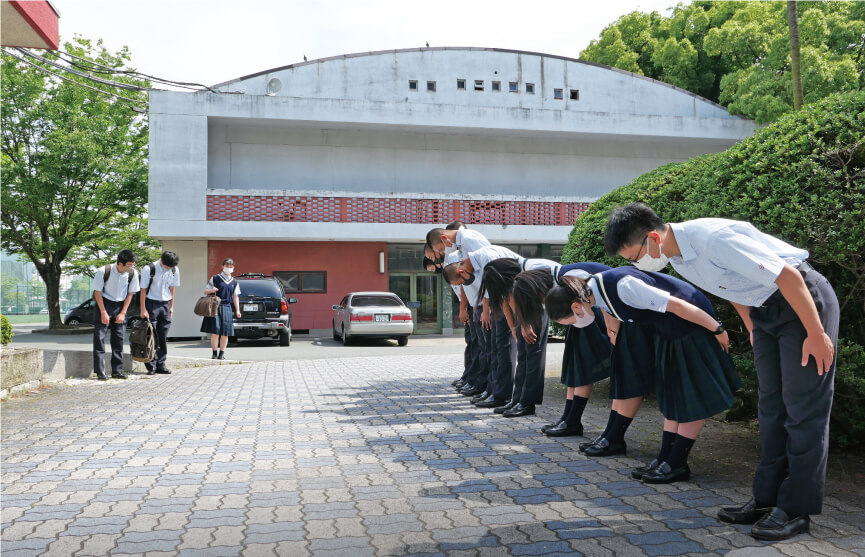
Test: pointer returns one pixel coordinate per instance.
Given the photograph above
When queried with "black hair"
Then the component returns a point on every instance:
(560, 297)
(427, 262)
(450, 272)
(126, 256)
(498, 280)
(628, 225)
(228, 261)
(530, 289)
(434, 237)
(169, 259)
(455, 225)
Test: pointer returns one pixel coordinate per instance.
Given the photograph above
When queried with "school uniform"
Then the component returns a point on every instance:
(223, 323)
(737, 262)
(158, 306)
(695, 378)
(114, 292)
(467, 241)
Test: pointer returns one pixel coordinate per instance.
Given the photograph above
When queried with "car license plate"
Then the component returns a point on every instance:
(382, 317)
(250, 307)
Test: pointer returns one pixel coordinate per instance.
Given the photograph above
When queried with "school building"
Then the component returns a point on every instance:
(328, 173)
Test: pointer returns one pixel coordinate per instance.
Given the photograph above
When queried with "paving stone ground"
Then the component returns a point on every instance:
(352, 456)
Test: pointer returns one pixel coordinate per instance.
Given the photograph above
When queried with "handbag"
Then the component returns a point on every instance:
(207, 306)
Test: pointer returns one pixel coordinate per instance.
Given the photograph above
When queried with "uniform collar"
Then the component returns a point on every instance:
(685, 247)
(226, 279)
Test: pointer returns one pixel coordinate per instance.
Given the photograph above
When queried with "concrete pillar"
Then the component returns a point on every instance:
(445, 295)
(193, 277)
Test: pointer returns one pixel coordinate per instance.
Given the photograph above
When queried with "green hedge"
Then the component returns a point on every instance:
(802, 179)
(6, 333)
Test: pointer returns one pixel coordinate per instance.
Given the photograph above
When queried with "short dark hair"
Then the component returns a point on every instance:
(227, 261)
(560, 298)
(455, 225)
(427, 262)
(498, 280)
(169, 259)
(126, 256)
(628, 225)
(530, 289)
(434, 237)
(450, 272)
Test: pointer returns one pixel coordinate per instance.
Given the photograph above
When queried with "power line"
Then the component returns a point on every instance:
(85, 76)
(78, 83)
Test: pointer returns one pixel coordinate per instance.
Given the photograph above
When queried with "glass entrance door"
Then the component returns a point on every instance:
(420, 291)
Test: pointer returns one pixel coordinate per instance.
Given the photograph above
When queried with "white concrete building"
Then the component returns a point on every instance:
(314, 170)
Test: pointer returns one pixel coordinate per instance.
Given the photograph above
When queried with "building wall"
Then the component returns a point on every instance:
(193, 277)
(350, 267)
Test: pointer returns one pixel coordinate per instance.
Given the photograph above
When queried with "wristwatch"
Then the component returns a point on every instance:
(719, 330)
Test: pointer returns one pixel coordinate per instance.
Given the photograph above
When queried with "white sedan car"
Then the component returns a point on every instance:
(372, 315)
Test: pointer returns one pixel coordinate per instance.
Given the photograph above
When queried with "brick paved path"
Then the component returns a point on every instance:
(363, 456)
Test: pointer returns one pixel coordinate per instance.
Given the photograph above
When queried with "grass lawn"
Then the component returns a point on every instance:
(19, 319)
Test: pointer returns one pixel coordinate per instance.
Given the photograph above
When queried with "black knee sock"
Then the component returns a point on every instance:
(610, 422)
(618, 429)
(666, 444)
(576, 414)
(678, 456)
(568, 403)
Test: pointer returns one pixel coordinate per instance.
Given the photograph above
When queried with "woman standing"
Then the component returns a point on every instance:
(222, 326)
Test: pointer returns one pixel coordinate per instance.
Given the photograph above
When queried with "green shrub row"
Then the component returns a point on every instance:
(801, 179)
(6, 333)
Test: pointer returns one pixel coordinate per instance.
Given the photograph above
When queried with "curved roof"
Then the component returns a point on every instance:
(471, 49)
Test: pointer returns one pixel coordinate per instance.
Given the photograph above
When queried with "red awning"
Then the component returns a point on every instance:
(30, 24)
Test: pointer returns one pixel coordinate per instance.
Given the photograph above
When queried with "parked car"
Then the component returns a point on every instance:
(264, 310)
(83, 313)
(372, 315)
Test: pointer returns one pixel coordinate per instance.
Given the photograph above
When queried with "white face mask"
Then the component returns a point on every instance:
(227, 271)
(649, 263)
(587, 319)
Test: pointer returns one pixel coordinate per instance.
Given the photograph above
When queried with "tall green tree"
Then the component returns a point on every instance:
(74, 161)
(738, 53)
(795, 53)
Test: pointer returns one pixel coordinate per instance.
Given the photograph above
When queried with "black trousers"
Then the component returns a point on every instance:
(467, 355)
(794, 402)
(481, 361)
(117, 332)
(531, 366)
(160, 318)
(501, 383)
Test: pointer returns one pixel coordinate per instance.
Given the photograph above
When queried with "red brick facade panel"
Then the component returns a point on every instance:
(390, 210)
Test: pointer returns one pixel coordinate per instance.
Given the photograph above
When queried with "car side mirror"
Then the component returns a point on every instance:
(292, 300)
(335, 307)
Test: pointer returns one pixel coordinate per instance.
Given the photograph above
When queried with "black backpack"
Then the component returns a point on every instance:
(142, 340)
(107, 272)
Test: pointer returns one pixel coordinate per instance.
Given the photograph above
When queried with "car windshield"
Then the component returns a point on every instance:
(367, 301)
(259, 288)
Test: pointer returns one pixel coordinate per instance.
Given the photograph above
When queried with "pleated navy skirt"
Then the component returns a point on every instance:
(586, 359)
(222, 324)
(695, 377)
(633, 370)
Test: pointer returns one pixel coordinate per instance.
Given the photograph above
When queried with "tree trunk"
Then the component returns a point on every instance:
(795, 58)
(51, 275)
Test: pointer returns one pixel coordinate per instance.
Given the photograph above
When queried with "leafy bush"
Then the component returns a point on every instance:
(6, 333)
(801, 179)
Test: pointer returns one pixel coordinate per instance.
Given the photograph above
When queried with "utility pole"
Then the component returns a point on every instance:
(795, 58)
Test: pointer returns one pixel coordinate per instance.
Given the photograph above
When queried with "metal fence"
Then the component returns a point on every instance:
(26, 299)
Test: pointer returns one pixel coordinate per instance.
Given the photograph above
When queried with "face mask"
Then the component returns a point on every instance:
(468, 281)
(587, 319)
(227, 271)
(649, 263)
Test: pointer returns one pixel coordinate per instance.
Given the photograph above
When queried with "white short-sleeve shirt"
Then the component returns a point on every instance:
(468, 241)
(480, 258)
(732, 259)
(118, 285)
(535, 264)
(158, 288)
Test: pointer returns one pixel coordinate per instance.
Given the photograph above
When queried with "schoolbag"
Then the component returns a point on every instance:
(142, 340)
(107, 273)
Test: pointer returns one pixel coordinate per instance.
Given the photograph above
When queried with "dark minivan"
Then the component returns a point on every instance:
(264, 310)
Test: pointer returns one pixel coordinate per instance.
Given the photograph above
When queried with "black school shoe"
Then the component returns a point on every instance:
(520, 410)
(474, 391)
(480, 397)
(603, 447)
(749, 513)
(638, 472)
(663, 474)
(777, 526)
(547, 427)
(164, 371)
(118, 375)
(565, 430)
(505, 408)
(101, 377)
(491, 402)
(584, 446)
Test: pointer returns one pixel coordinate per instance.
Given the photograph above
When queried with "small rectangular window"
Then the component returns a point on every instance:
(558, 94)
(431, 86)
(302, 281)
(530, 88)
(575, 94)
(461, 84)
(497, 86)
(513, 87)
(412, 85)
(479, 85)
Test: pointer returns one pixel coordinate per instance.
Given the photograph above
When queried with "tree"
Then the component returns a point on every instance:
(738, 53)
(73, 161)
(795, 53)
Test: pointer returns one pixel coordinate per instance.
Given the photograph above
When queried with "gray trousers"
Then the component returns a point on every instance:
(794, 402)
